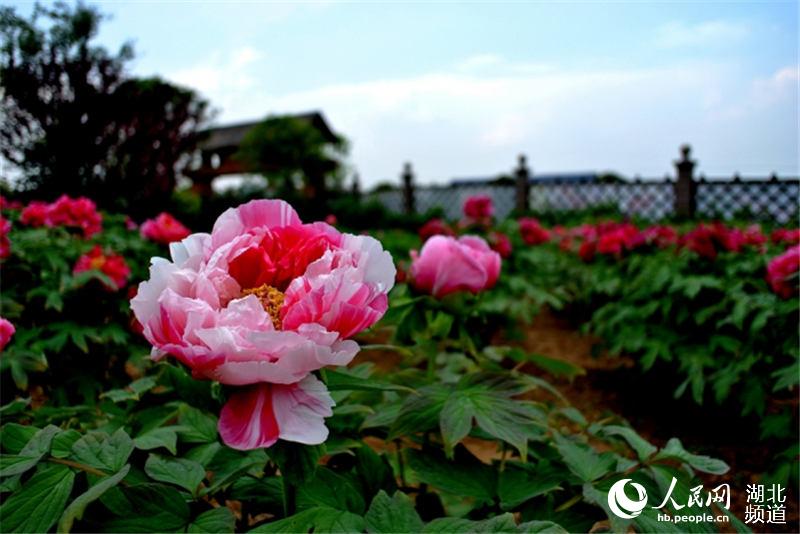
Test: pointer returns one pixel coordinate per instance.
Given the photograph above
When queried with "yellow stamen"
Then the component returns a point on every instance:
(271, 300)
(98, 262)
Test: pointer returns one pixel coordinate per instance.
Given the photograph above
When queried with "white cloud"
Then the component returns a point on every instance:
(459, 123)
(709, 33)
(224, 79)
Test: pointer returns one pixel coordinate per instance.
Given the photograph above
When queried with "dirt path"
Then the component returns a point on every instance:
(615, 386)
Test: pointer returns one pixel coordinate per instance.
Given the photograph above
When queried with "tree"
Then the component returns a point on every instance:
(73, 122)
(291, 153)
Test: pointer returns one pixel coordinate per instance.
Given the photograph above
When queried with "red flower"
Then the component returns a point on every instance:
(111, 265)
(164, 229)
(6, 331)
(79, 212)
(500, 243)
(532, 232)
(435, 227)
(660, 236)
(786, 236)
(35, 214)
(587, 250)
(479, 207)
(782, 273)
(5, 244)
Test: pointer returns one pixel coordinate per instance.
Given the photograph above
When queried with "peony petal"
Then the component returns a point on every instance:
(247, 420)
(300, 410)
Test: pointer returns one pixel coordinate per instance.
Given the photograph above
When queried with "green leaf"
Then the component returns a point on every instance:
(229, 464)
(420, 413)
(392, 515)
(198, 427)
(13, 437)
(218, 520)
(544, 527)
(297, 462)
(158, 508)
(642, 447)
(454, 525)
(30, 454)
(134, 391)
(164, 436)
(455, 422)
(318, 519)
(342, 380)
(179, 471)
(63, 443)
(465, 476)
(583, 461)
(374, 472)
(556, 367)
(706, 464)
(99, 450)
(78, 506)
(332, 490)
(38, 504)
(520, 482)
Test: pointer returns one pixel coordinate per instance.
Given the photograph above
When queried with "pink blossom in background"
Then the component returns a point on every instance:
(80, 213)
(164, 229)
(331, 219)
(6, 331)
(446, 265)
(261, 303)
(130, 224)
(111, 265)
(532, 231)
(434, 227)
(479, 207)
(6, 204)
(660, 236)
(500, 243)
(782, 273)
(5, 243)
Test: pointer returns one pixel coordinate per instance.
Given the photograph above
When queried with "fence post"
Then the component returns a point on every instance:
(355, 189)
(685, 186)
(408, 188)
(523, 186)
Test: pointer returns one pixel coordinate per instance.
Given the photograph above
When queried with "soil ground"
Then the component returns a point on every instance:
(615, 385)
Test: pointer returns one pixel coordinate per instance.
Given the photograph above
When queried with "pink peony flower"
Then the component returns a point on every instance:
(479, 207)
(532, 232)
(261, 303)
(6, 331)
(164, 229)
(5, 243)
(782, 273)
(446, 265)
(434, 227)
(111, 265)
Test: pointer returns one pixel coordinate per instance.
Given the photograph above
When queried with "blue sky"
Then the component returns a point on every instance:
(461, 89)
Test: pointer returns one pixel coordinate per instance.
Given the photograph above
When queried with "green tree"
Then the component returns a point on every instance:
(72, 120)
(292, 154)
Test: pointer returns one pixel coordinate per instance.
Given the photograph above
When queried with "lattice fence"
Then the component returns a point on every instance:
(766, 200)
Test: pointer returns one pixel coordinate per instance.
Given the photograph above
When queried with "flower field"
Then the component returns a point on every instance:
(279, 375)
